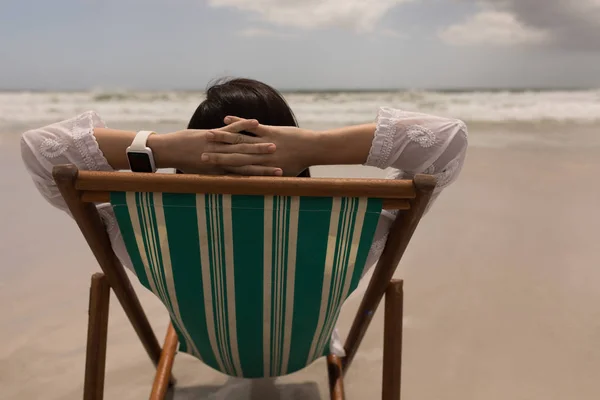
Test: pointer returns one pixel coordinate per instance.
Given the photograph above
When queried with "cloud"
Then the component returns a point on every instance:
(262, 32)
(563, 24)
(392, 33)
(492, 27)
(358, 15)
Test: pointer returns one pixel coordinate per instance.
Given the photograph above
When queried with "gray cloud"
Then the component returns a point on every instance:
(571, 24)
(358, 15)
(565, 24)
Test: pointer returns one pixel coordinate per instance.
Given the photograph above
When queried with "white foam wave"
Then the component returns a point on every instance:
(311, 108)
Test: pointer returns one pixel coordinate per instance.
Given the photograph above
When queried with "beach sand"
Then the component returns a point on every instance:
(502, 294)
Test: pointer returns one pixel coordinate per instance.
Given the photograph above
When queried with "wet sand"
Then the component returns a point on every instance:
(501, 280)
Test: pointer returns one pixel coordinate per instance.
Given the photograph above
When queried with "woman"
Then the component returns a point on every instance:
(246, 127)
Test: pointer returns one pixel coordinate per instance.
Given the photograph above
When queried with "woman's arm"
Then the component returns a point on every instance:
(410, 143)
(341, 146)
(87, 143)
(181, 150)
(297, 149)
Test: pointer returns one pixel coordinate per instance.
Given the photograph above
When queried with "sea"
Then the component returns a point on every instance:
(495, 117)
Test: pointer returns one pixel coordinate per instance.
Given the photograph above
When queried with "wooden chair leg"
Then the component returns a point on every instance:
(93, 229)
(392, 341)
(95, 358)
(165, 365)
(336, 378)
(398, 238)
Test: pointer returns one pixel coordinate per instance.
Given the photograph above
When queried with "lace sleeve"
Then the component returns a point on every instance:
(68, 142)
(413, 143)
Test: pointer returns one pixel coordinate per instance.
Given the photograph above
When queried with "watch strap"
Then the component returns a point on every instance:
(140, 140)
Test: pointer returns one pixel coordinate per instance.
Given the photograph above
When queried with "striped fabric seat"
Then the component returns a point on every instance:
(253, 284)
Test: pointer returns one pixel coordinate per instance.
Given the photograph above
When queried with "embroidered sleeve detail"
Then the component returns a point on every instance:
(383, 141)
(53, 148)
(419, 134)
(71, 141)
(86, 144)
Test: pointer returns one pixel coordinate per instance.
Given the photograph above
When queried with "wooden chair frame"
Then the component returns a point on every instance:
(81, 189)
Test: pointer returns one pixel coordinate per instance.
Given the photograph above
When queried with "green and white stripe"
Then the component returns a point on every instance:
(253, 284)
(149, 226)
(345, 228)
(214, 221)
(280, 243)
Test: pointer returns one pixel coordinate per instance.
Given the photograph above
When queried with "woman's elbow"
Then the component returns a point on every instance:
(452, 159)
(27, 154)
(460, 135)
(460, 128)
(30, 144)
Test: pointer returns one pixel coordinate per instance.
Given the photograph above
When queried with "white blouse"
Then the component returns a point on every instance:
(407, 142)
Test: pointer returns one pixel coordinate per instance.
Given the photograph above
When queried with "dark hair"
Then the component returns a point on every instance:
(244, 98)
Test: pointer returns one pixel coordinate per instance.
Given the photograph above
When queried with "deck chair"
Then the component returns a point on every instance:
(252, 270)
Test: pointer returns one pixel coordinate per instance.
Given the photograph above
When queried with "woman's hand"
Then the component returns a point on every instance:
(183, 149)
(297, 149)
(293, 155)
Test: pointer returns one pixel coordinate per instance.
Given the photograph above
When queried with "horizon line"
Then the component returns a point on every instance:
(448, 89)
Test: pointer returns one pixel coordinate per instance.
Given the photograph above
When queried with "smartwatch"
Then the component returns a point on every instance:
(139, 155)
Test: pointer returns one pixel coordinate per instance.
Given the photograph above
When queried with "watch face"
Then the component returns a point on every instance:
(139, 162)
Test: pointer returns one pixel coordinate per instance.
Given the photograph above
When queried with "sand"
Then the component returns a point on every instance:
(501, 280)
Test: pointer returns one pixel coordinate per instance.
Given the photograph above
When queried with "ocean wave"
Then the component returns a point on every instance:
(335, 108)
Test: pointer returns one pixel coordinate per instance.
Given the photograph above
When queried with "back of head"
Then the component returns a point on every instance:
(244, 98)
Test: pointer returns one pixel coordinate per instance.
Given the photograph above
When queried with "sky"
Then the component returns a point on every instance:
(299, 44)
